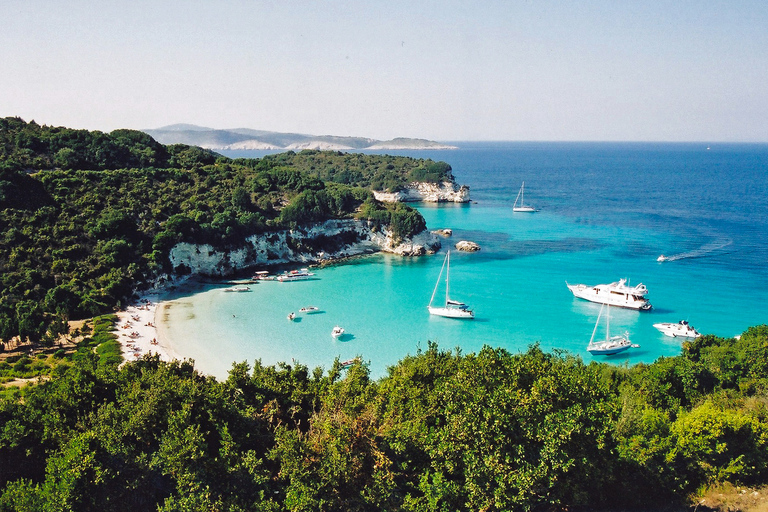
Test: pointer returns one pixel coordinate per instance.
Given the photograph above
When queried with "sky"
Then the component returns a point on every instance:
(443, 70)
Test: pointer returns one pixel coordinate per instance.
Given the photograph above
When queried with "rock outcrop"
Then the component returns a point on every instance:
(445, 192)
(446, 232)
(467, 246)
(330, 240)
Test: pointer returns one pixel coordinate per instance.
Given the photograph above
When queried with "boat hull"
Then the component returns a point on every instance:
(451, 312)
(524, 209)
(615, 345)
(677, 330)
(602, 295)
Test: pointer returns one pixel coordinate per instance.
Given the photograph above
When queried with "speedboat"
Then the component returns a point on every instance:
(615, 294)
(309, 309)
(662, 258)
(681, 329)
(295, 275)
(337, 332)
(291, 316)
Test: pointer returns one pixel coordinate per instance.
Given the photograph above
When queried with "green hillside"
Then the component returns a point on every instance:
(77, 241)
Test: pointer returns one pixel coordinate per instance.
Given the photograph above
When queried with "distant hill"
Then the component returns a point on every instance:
(246, 138)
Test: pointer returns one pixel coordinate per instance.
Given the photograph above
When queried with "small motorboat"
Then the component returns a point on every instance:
(291, 316)
(238, 289)
(309, 309)
(349, 362)
(681, 329)
(661, 258)
(337, 332)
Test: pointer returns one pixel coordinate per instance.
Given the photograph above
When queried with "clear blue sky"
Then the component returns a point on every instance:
(446, 70)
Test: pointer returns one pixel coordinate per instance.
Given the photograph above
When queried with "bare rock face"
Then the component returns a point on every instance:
(467, 246)
(445, 192)
(333, 239)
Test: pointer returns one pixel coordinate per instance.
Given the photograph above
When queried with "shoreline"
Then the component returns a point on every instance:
(138, 333)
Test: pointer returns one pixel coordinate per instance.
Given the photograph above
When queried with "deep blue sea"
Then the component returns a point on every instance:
(607, 211)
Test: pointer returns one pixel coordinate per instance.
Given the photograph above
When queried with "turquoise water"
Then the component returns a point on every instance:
(608, 211)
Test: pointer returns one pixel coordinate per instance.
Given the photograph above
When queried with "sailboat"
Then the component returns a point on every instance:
(451, 308)
(611, 344)
(521, 197)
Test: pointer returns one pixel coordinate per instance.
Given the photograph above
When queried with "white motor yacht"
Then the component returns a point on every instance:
(337, 332)
(681, 329)
(617, 294)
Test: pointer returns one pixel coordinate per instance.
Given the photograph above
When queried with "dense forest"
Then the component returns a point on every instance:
(86, 217)
(441, 431)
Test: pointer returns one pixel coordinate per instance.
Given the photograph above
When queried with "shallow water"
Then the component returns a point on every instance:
(607, 212)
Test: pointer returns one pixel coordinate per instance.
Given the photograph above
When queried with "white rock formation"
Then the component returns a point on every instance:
(349, 237)
(250, 144)
(445, 192)
(318, 144)
(467, 246)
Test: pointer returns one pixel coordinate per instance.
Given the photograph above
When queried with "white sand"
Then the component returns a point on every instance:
(138, 334)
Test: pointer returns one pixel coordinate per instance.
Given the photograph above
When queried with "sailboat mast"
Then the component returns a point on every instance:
(447, 275)
(596, 324)
(522, 195)
(437, 284)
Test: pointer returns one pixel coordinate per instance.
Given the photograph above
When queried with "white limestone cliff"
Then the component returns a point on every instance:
(445, 192)
(330, 240)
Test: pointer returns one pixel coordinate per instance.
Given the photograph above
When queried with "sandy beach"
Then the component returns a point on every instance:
(138, 334)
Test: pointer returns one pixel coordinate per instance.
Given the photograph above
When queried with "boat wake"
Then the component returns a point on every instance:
(703, 251)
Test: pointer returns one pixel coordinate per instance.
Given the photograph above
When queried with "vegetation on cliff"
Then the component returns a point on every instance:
(442, 431)
(79, 233)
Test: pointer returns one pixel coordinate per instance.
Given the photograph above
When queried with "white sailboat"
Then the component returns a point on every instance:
(521, 197)
(451, 308)
(611, 344)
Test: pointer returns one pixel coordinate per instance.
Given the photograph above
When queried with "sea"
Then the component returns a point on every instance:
(606, 211)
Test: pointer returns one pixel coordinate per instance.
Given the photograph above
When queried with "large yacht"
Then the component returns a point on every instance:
(617, 294)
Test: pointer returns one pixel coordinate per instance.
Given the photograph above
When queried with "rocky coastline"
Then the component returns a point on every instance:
(445, 192)
(326, 241)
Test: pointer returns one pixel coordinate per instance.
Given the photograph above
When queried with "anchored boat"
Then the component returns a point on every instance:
(614, 294)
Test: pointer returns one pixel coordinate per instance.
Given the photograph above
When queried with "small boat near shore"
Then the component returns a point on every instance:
(618, 294)
(309, 310)
(238, 289)
(291, 316)
(349, 362)
(337, 332)
(611, 344)
(681, 329)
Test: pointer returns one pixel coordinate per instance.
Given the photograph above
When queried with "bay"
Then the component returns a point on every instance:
(607, 211)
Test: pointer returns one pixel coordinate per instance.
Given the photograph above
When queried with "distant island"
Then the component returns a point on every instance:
(248, 139)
